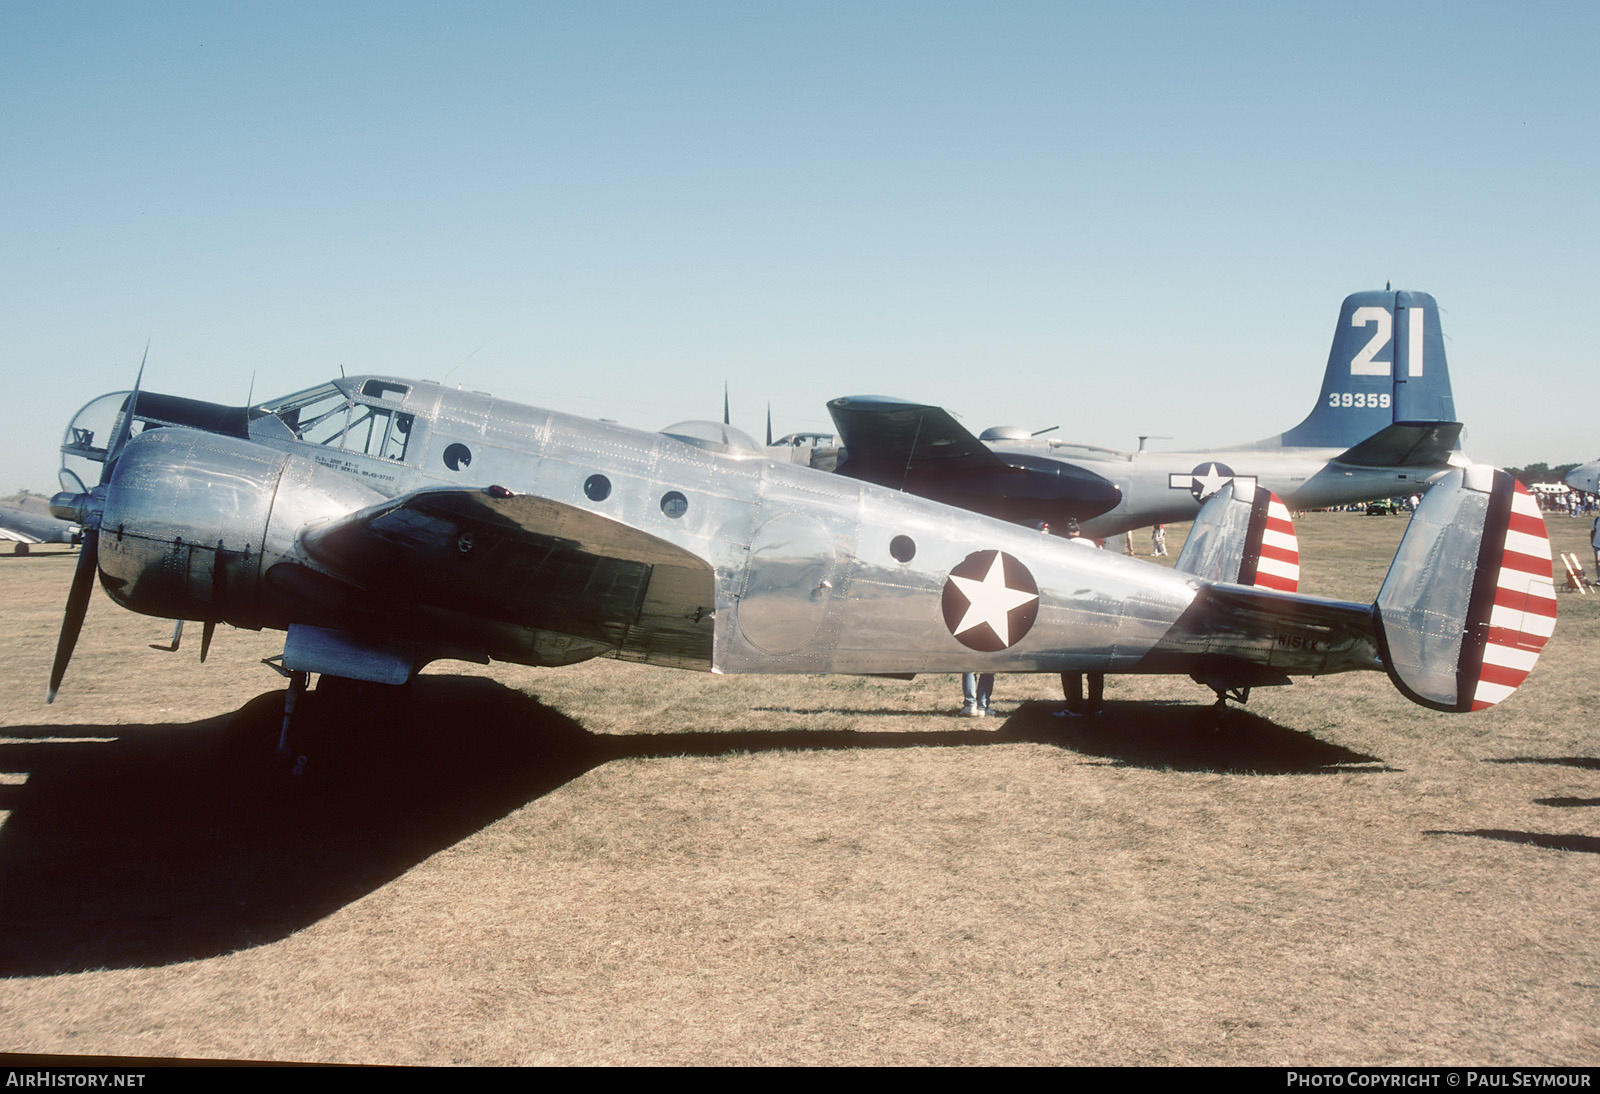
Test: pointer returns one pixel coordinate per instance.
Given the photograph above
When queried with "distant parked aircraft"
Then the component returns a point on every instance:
(24, 527)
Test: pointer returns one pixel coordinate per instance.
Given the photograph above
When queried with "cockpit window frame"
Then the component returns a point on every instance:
(360, 412)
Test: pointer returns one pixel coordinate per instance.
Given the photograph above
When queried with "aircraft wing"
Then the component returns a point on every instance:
(892, 434)
(529, 564)
(21, 526)
(1405, 444)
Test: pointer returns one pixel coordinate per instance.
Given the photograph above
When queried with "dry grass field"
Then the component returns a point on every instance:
(615, 864)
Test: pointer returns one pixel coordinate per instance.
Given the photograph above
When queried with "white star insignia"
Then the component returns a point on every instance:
(1210, 482)
(990, 600)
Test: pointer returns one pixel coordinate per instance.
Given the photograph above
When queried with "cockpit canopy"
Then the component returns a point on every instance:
(364, 419)
(1006, 433)
(715, 437)
(357, 414)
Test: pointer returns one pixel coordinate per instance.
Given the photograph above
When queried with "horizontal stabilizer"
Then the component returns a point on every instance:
(1405, 444)
(1469, 601)
(1243, 535)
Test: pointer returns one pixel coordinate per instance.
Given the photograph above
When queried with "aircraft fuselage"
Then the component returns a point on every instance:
(1165, 487)
(553, 538)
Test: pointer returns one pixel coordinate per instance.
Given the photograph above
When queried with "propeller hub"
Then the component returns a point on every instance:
(80, 508)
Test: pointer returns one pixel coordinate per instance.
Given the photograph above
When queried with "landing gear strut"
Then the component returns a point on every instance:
(1219, 709)
(291, 698)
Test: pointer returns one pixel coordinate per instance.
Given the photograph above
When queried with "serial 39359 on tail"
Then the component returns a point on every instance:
(385, 523)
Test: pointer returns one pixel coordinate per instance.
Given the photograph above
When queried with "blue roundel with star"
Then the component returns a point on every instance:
(1206, 479)
(990, 601)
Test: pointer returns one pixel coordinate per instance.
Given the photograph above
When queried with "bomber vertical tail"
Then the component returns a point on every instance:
(1469, 601)
(1387, 367)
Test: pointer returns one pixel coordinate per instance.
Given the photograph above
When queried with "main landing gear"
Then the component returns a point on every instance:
(335, 718)
(287, 753)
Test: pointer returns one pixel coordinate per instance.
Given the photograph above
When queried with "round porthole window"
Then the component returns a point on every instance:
(597, 488)
(674, 504)
(902, 548)
(457, 457)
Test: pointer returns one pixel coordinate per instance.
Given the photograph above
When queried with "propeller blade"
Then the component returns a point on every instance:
(769, 425)
(77, 607)
(124, 428)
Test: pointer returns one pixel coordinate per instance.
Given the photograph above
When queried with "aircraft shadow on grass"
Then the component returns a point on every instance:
(1553, 841)
(1164, 736)
(1550, 841)
(132, 845)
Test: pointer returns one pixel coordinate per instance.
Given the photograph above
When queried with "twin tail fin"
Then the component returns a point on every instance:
(1243, 535)
(1469, 602)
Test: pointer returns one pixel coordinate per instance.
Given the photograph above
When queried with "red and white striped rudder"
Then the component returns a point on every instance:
(1522, 615)
(1469, 601)
(1278, 564)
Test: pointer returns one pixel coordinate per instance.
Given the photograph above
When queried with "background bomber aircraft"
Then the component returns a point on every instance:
(385, 523)
(1383, 426)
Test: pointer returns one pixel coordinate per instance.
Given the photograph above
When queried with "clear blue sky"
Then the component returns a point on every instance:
(1117, 218)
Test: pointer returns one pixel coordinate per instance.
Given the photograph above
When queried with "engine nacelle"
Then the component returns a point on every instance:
(192, 520)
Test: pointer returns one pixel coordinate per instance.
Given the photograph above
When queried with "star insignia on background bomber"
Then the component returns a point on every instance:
(1207, 479)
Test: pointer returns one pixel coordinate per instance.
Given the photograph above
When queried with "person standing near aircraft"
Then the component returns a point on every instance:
(1072, 683)
(976, 690)
(1594, 544)
(1158, 541)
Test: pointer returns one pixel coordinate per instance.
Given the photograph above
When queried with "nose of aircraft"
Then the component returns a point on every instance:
(1085, 494)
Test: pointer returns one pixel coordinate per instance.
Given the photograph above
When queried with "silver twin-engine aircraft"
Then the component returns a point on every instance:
(1383, 426)
(385, 523)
